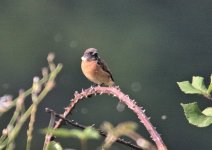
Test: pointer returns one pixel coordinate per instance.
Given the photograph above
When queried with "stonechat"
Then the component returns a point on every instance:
(95, 69)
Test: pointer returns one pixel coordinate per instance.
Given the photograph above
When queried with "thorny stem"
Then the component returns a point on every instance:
(116, 92)
(208, 97)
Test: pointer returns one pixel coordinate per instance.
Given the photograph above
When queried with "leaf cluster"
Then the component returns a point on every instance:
(192, 112)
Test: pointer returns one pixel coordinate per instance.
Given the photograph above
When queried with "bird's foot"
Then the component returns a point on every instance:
(95, 85)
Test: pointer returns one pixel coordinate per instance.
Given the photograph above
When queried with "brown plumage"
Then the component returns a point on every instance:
(95, 69)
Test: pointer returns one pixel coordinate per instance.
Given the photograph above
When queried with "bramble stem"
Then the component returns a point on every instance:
(208, 97)
(116, 92)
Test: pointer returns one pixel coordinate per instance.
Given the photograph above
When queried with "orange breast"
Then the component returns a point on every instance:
(95, 73)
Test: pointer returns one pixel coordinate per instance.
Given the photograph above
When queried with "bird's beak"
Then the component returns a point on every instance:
(83, 58)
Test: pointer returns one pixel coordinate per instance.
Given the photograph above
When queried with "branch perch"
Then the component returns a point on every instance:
(116, 92)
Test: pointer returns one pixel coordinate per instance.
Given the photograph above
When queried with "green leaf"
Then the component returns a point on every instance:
(187, 88)
(107, 126)
(207, 111)
(210, 87)
(195, 116)
(64, 133)
(125, 128)
(90, 133)
(54, 146)
(196, 87)
(87, 133)
(198, 83)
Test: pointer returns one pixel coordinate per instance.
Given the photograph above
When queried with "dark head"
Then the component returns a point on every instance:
(90, 54)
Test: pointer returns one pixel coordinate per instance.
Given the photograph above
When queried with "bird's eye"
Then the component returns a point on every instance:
(95, 54)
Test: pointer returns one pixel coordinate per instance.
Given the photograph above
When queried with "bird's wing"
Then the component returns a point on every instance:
(104, 67)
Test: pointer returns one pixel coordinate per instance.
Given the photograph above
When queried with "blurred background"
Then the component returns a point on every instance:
(149, 45)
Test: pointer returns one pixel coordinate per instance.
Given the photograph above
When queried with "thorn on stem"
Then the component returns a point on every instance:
(117, 87)
(76, 93)
(66, 108)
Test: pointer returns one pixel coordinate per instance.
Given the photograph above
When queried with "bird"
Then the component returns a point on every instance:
(95, 69)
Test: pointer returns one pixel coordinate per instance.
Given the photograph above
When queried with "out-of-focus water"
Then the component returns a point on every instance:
(148, 46)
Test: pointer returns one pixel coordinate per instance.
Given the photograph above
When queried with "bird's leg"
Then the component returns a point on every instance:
(95, 85)
(89, 96)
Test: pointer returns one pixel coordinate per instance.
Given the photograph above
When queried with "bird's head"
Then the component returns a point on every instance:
(90, 54)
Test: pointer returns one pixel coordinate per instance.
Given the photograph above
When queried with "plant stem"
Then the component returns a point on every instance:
(13, 119)
(32, 121)
(12, 135)
(208, 97)
(83, 144)
(102, 133)
(26, 93)
(116, 92)
(18, 126)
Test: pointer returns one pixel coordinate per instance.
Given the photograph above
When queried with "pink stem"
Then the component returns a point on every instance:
(208, 97)
(116, 92)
